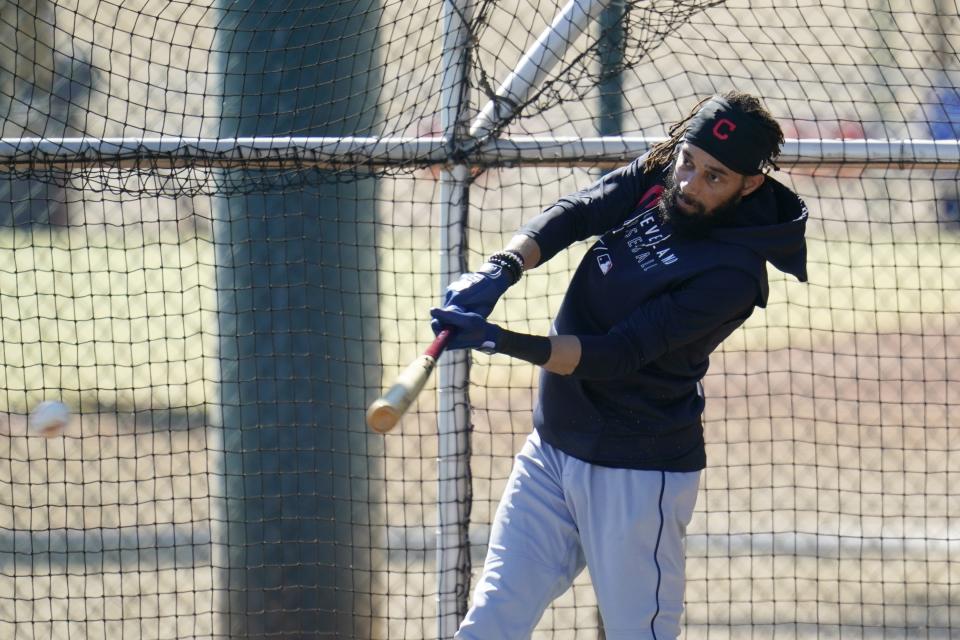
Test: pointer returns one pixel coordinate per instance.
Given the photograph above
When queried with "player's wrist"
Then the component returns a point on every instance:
(510, 261)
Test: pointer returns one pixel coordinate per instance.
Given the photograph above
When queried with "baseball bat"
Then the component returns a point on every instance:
(384, 412)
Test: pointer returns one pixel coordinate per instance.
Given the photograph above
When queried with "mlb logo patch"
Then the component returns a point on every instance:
(605, 263)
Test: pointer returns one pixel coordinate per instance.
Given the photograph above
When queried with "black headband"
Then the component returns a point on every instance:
(730, 135)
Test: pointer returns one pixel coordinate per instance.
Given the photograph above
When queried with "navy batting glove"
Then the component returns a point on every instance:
(472, 331)
(478, 291)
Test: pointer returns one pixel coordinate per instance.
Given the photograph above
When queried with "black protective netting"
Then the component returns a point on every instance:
(221, 229)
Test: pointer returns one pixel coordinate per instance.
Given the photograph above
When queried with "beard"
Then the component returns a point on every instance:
(699, 222)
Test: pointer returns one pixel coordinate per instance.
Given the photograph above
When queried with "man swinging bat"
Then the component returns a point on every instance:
(608, 478)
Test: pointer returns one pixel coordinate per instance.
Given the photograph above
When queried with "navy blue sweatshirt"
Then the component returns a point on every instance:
(649, 307)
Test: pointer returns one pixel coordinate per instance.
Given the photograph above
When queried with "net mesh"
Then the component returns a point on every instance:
(217, 290)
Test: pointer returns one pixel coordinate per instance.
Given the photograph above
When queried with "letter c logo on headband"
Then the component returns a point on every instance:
(712, 127)
(723, 128)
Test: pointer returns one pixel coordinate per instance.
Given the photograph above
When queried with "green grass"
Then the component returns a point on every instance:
(101, 317)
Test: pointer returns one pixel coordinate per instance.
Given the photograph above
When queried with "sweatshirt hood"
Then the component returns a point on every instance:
(771, 222)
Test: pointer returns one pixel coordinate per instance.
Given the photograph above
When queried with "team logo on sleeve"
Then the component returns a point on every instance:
(605, 263)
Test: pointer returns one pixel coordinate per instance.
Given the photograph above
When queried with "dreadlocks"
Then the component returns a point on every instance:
(661, 155)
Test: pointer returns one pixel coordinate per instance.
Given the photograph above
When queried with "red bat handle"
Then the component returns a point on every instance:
(439, 343)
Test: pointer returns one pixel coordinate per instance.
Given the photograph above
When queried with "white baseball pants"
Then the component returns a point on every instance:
(559, 514)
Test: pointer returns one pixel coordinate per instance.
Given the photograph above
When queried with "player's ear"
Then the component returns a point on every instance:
(751, 184)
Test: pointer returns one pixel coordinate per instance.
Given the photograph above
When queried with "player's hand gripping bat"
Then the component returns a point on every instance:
(384, 412)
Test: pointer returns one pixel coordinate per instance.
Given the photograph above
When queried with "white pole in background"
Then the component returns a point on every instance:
(453, 416)
(536, 63)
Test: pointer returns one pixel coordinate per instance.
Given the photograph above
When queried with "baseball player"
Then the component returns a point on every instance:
(608, 478)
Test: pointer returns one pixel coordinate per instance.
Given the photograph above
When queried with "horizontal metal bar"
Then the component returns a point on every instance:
(324, 152)
(824, 546)
(218, 153)
(144, 547)
(163, 546)
(796, 152)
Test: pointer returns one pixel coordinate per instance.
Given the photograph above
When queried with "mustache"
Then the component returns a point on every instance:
(678, 196)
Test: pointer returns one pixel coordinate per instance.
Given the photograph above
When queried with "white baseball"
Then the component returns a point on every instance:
(49, 418)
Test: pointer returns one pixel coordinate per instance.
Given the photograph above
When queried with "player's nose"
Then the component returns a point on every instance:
(689, 192)
(687, 183)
